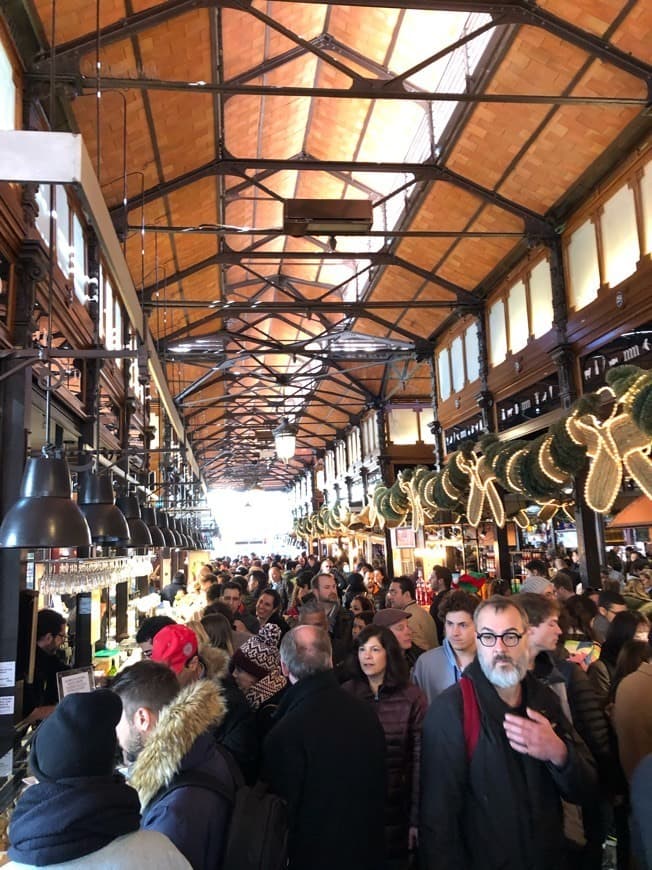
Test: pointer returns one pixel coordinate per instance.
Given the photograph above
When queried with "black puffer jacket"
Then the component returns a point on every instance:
(401, 712)
(589, 720)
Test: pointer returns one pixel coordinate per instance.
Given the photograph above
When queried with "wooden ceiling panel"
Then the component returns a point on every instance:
(396, 284)
(140, 154)
(540, 178)
(243, 38)
(423, 323)
(316, 185)
(157, 249)
(194, 204)
(492, 139)
(635, 33)
(192, 248)
(283, 130)
(178, 49)
(174, 138)
(592, 15)
(241, 124)
(336, 127)
(305, 20)
(537, 63)
(74, 19)
(445, 207)
(472, 259)
(368, 31)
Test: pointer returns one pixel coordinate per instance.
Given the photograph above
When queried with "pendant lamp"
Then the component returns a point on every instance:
(107, 523)
(45, 514)
(285, 440)
(139, 534)
(150, 518)
(164, 526)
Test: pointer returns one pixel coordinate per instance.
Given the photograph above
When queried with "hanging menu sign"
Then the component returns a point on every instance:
(633, 348)
(536, 400)
(471, 428)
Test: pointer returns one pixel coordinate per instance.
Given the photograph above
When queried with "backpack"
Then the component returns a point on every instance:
(258, 828)
(471, 716)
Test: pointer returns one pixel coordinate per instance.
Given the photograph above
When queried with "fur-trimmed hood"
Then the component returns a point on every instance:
(195, 709)
(216, 661)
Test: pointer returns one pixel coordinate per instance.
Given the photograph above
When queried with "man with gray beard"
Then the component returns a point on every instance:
(497, 757)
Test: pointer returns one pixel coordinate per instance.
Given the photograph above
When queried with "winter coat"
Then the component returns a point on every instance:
(69, 819)
(326, 757)
(401, 712)
(141, 850)
(194, 818)
(641, 800)
(589, 720)
(601, 674)
(237, 730)
(340, 634)
(436, 670)
(632, 717)
(422, 625)
(501, 810)
(170, 592)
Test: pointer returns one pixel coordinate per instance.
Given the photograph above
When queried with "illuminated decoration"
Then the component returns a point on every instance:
(285, 440)
(408, 483)
(539, 471)
(483, 488)
(551, 508)
(547, 463)
(611, 444)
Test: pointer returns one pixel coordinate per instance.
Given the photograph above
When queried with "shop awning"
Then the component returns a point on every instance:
(637, 513)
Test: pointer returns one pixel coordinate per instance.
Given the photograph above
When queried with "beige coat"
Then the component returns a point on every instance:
(424, 630)
(632, 718)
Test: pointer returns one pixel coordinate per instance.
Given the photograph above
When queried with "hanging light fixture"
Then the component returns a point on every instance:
(45, 514)
(285, 439)
(139, 535)
(150, 518)
(107, 523)
(164, 526)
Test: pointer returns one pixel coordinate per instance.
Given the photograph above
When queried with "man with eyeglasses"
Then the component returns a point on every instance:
(497, 760)
(42, 695)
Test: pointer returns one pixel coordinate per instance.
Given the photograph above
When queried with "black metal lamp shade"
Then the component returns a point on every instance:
(106, 521)
(45, 514)
(138, 532)
(150, 518)
(164, 526)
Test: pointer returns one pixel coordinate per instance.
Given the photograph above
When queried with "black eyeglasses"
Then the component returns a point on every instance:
(509, 638)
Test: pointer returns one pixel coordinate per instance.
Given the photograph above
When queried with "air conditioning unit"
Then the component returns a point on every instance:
(326, 216)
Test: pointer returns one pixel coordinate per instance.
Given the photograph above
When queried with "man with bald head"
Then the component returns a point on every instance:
(326, 758)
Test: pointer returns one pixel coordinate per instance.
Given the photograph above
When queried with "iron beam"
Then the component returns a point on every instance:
(362, 88)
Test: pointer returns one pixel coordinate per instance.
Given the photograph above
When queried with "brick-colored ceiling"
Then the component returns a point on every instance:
(197, 130)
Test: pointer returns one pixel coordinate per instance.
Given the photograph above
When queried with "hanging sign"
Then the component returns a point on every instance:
(631, 348)
(533, 402)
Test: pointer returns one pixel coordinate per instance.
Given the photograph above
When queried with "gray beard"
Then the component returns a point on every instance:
(503, 677)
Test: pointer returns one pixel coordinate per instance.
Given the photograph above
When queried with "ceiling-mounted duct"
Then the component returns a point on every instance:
(326, 216)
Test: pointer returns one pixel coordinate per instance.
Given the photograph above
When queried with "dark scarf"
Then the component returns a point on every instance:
(64, 820)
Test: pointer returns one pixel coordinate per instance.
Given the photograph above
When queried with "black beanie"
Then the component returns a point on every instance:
(78, 739)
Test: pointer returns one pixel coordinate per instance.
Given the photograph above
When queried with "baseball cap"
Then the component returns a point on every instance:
(390, 616)
(174, 645)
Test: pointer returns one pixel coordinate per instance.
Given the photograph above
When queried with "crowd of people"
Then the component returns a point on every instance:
(486, 731)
